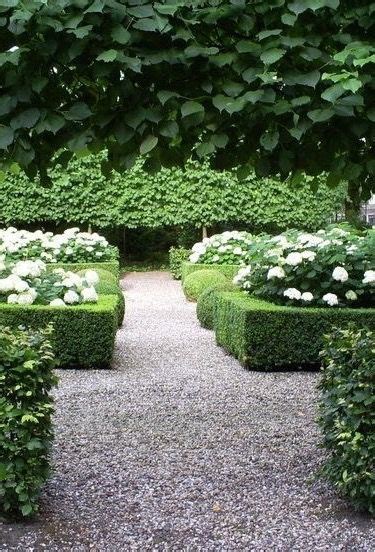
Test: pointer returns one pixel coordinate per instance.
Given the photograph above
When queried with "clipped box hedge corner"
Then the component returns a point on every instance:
(264, 336)
(84, 335)
(228, 270)
(110, 266)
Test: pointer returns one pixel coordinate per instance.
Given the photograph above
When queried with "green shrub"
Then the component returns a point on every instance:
(83, 335)
(197, 282)
(110, 266)
(26, 407)
(347, 413)
(207, 302)
(109, 285)
(177, 255)
(228, 270)
(265, 336)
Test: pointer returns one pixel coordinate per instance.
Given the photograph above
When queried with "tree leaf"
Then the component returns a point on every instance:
(190, 107)
(25, 119)
(120, 34)
(148, 144)
(107, 56)
(269, 139)
(78, 112)
(271, 56)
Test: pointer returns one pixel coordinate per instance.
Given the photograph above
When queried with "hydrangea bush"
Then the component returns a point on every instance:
(333, 267)
(28, 282)
(226, 248)
(71, 246)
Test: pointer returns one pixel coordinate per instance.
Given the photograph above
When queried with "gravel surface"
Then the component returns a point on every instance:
(180, 448)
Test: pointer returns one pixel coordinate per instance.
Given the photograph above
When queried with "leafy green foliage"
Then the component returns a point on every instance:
(84, 335)
(196, 282)
(207, 301)
(264, 336)
(228, 270)
(347, 413)
(279, 86)
(195, 195)
(177, 255)
(26, 407)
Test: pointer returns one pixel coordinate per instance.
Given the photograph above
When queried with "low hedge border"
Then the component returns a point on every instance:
(84, 335)
(265, 336)
(110, 266)
(207, 302)
(228, 270)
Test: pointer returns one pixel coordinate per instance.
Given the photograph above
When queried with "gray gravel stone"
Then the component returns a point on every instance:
(180, 448)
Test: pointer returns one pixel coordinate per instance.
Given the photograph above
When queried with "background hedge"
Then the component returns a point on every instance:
(265, 336)
(194, 196)
(84, 335)
(110, 266)
(207, 301)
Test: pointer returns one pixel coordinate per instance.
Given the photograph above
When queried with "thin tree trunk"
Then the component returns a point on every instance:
(204, 232)
(353, 204)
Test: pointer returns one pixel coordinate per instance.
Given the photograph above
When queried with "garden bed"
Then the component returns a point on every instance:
(110, 266)
(228, 270)
(265, 336)
(84, 334)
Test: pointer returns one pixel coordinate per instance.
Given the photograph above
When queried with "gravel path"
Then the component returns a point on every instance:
(180, 448)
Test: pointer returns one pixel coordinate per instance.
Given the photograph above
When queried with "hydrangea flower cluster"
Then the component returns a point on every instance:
(226, 248)
(71, 246)
(28, 282)
(333, 267)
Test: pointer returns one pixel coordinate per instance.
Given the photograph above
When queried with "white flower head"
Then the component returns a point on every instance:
(351, 295)
(26, 298)
(331, 299)
(340, 274)
(57, 303)
(194, 258)
(89, 295)
(294, 258)
(91, 277)
(71, 297)
(307, 296)
(308, 255)
(12, 299)
(275, 272)
(293, 293)
(369, 277)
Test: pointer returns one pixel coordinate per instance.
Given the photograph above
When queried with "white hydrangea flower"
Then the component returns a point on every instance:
(307, 296)
(308, 255)
(21, 286)
(194, 258)
(91, 277)
(294, 258)
(340, 274)
(369, 277)
(293, 293)
(71, 297)
(26, 298)
(216, 258)
(331, 299)
(351, 295)
(57, 303)
(275, 272)
(12, 299)
(237, 251)
(89, 295)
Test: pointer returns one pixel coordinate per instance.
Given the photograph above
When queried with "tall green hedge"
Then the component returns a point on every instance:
(196, 196)
(84, 335)
(264, 336)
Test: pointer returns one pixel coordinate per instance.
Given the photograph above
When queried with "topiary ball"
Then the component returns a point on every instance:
(196, 282)
(207, 301)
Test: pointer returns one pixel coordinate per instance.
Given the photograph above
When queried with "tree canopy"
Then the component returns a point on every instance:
(193, 196)
(284, 86)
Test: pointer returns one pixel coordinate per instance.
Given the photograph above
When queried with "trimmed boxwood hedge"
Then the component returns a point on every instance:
(228, 270)
(84, 335)
(109, 285)
(110, 266)
(265, 336)
(197, 282)
(206, 303)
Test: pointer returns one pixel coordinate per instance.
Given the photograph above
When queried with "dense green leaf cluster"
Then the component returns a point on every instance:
(177, 255)
(265, 336)
(279, 85)
(196, 282)
(196, 195)
(26, 407)
(347, 413)
(207, 301)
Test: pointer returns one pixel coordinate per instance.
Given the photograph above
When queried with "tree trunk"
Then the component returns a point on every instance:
(204, 232)
(353, 204)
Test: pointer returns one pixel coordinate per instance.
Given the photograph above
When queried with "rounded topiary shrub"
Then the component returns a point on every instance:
(206, 303)
(109, 285)
(196, 282)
